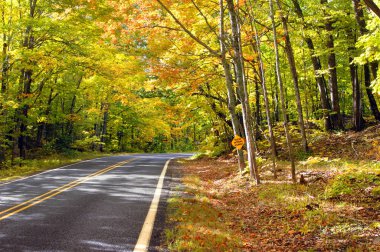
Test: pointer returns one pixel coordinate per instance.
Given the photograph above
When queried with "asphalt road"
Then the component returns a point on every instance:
(95, 205)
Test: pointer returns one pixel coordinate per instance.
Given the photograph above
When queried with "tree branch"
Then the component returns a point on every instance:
(212, 51)
(371, 4)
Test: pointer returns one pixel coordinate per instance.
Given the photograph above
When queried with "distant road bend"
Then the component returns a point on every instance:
(103, 204)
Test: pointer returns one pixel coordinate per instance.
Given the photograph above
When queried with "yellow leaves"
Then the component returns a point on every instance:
(93, 111)
(314, 160)
(42, 119)
(12, 104)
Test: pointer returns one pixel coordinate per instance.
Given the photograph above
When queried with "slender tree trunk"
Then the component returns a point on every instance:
(5, 63)
(325, 104)
(70, 123)
(276, 107)
(258, 108)
(41, 129)
(282, 95)
(22, 141)
(293, 70)
(3, 89)
(357, 118)
(359, 15)
(368, 88)
(226, 67)
(371, 4)
(266, 100)
(104, 127)
(242, 89)
(230, 88)
(333, 77)
(26, 82)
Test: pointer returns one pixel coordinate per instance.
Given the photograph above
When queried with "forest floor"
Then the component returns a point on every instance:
(337, 208)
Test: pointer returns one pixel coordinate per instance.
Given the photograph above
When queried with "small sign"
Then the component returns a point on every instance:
(238, 142)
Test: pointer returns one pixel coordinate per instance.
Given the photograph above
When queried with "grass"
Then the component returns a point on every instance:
(30, 167)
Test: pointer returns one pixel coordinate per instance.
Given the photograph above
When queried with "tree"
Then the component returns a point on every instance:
(282, 93)
(371, 4)
(333, 78)
(325, 104)
(292, 65)
(360, 19)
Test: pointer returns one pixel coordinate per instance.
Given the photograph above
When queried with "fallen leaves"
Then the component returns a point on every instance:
(227, 213)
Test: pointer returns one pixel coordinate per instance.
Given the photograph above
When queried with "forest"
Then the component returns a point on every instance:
(297, 79)
(184, 75)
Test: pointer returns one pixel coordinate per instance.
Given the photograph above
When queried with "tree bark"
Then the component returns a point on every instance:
(242, 89)
(282, 95)
(226, 68)
(26, 83)
(230, 88)
(320, 80)
(293, 70)
(104, 127)
(333, 77)
(5, 58)
(357, 118)
(371, 4)
(70, 123)
(272, 138)
(359, 15)
(41, 129)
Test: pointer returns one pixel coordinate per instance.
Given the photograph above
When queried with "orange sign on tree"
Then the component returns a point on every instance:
(238, 142)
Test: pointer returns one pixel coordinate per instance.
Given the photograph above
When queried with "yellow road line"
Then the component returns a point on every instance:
(29, 203)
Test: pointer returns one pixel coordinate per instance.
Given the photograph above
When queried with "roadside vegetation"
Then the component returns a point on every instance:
(32, 166)
(334, 206)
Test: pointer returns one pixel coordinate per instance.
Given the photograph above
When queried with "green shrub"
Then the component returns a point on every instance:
(352, 184)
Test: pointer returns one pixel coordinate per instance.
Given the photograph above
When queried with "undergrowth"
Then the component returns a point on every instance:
(29, 167)
(337, 209)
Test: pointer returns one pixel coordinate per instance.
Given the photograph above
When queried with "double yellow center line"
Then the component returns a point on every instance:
(41, 198)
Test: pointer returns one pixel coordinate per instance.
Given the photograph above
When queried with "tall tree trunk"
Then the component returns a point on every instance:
(293, 70)
(320, 80)
(41, 129)
(258, 108)
(371, 4)
(359, 15)
(226, 67)
(357, 118)
(70, 123)
(333, 77)
(5, 63)
(22, 141)
(26, 83)
(282, 95)
(5, 68)
(266, 100)
(242, 89)
(103, 136)
(230, 88)
(368, 89)
(4, 80)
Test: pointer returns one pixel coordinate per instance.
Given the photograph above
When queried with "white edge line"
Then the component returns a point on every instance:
(143, 241)
(40, 173)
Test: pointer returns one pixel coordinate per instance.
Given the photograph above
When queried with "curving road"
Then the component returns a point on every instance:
(95, 205)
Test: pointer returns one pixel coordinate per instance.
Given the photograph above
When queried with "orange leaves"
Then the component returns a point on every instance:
(250, 57)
